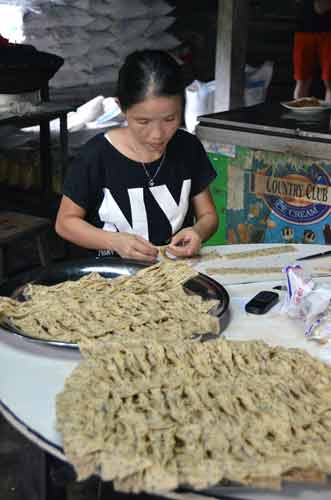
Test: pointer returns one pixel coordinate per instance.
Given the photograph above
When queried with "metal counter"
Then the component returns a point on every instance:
(270, 127)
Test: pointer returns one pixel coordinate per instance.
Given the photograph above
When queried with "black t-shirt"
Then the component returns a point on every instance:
(114, 190)
(308, 21)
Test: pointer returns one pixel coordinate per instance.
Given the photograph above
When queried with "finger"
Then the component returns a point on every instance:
(178, 240)
(179, 251)
(142, 256)
(143, 240)
(149, 250)
(180, 243)
(147, 245)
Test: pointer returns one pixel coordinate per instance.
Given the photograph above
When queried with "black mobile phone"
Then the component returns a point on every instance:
(262, 302)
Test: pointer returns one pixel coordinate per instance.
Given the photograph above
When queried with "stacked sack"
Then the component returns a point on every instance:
(61, 28)
(94, 36)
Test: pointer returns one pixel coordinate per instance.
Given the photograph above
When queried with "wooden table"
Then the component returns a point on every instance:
(43, 115)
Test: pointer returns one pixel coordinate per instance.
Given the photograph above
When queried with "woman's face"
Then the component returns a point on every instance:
(153, 122)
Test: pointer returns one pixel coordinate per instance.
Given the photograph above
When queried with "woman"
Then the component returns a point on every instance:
(144, 185)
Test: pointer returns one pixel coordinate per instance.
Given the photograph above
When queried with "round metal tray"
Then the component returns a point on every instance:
(109, 267)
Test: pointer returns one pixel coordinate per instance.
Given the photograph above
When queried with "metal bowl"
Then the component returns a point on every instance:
(109, 267)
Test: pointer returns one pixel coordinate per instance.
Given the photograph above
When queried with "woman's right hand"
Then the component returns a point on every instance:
(72, 226)
(132, 246)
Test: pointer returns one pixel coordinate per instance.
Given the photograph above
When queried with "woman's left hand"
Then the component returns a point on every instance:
(185, 243)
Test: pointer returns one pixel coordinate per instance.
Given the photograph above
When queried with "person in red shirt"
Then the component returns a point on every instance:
(312, 46)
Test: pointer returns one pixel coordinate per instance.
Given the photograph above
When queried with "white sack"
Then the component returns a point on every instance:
(158, 7)
(103, 57)
(100, 23)
(120, 9)
(80, 4)
(74, 72)
(138, 43)
(159, 25)
(257, 83)
(103, 40)
(164, 41)
(91, 109)
(53, 16)
(200, 95)
(127, 29)
(64, 50)
(59, 34)
(199, 98)
(112, 113)
(69, 78)
(74, 122)
(110, 106)
(108, 74)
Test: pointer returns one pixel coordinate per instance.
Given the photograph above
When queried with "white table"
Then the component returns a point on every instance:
(32, 375)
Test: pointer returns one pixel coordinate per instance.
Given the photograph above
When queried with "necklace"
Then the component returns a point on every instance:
(151, 179)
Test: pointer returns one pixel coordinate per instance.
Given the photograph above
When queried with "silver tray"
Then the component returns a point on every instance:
(109, 267)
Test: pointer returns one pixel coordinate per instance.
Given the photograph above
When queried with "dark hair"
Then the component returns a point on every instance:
(148, 73)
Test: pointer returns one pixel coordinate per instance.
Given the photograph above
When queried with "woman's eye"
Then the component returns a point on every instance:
(142, 122)
(170, 119)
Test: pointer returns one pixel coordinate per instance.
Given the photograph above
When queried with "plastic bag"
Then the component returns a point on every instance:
(299, 286)
(309, 303)
(257, 81)
(199, 101)
(200, 96)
